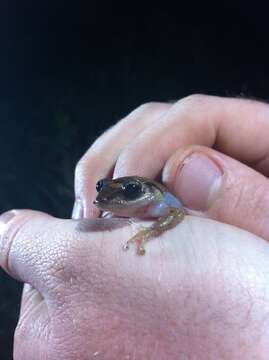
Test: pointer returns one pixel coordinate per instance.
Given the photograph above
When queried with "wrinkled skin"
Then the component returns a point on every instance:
(201, 291)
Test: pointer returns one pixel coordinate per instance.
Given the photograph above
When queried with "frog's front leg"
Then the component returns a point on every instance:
(173, 217)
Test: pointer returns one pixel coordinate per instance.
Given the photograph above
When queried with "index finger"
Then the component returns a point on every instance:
(99, 161)
(236, 127)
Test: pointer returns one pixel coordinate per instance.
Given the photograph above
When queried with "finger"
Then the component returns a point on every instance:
(100, 159)
(237, 127)
(220, 187)
(43, 251)
(22, 251)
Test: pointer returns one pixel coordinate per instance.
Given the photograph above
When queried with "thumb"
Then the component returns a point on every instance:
(22, 253)
(220, 187)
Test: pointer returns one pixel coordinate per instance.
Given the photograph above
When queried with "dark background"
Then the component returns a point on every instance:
(68, 70)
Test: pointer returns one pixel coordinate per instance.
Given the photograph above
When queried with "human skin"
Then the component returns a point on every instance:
(201, 291)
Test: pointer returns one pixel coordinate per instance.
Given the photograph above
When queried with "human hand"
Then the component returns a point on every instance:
(201, 292)
(227, 183)
(110, 150)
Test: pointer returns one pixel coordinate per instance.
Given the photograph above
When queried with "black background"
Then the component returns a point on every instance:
(68, 70)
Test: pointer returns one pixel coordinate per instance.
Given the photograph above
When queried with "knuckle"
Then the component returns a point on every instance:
(193, 100)
(148, 107)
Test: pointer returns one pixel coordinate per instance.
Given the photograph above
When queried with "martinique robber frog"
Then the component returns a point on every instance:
(138, 197)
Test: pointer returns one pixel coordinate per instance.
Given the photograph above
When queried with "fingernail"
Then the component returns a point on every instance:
(77, 212)
(4, 219)
(198, 181)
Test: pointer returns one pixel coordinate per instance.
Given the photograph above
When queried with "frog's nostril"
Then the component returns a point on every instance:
(95, 202)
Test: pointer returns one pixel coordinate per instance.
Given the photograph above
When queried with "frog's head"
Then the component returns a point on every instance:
(123, 195)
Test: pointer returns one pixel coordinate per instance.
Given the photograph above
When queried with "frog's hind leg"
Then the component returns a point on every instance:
(138, 238)
(173, 217)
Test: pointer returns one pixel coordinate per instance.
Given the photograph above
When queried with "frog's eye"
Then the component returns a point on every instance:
(132, 190)
(100, 184)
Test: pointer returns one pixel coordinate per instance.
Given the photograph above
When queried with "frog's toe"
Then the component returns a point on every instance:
(126, 247)
(141, 229)
(141, 250)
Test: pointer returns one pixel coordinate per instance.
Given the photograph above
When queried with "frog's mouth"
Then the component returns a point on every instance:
(98, 203)
(103, 204)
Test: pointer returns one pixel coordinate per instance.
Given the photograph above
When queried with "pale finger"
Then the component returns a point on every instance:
(99, 160)
(236, 127)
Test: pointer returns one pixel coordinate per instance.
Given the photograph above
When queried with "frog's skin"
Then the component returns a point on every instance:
(137, 197)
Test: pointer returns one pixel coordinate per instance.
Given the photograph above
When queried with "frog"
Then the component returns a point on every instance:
(140, 198)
